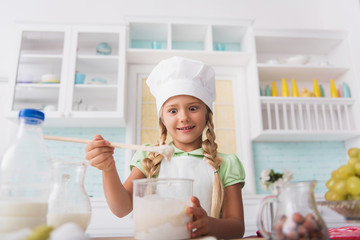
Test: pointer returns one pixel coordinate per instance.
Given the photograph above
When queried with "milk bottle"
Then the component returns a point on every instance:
(25, 176)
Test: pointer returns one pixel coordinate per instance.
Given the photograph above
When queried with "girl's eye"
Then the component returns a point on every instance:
(193, 108)
(173, 111)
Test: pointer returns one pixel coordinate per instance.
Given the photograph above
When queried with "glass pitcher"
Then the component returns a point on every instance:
(296, 216)
(68, 201)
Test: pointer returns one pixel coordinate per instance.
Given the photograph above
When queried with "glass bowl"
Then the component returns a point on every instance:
(350, 209)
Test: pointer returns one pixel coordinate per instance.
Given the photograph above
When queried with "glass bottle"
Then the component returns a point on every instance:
(296, 216)
(68, 200)
(25, 176)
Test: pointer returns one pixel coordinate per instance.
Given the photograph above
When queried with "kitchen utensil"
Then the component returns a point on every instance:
(79, 78)
(160, 208)
(296, 215)
(98, 81)
(297, 59)
(49, 77)
(267, 91)
(350, 209)
(103, 49)
(25, 78)
(156, 45)
(346, 90)
(220, 46)
(165, 150)
(49, 108)
(272, 61)
(68, 201)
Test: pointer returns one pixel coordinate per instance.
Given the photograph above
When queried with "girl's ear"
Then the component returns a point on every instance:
(161, 121)
(161, 116)
(208, 113)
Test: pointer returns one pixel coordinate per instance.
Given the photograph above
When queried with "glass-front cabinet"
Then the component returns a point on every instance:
(40, 69)
(72, 73)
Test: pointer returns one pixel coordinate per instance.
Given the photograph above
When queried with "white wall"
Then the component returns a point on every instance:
(7, 128)
(349, 12)
(267, 13)
(310, 14)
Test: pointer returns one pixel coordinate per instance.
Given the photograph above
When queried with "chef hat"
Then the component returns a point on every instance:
(181, 76)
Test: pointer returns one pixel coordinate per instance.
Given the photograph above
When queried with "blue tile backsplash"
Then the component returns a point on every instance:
(307, 160)
(93, 178)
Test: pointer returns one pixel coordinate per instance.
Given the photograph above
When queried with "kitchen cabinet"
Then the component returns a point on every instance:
(49, 56)
(226, 43)
(44, 76)
(321, 55)
(327, 56)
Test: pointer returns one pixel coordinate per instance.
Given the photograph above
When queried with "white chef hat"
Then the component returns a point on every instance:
(181, 76)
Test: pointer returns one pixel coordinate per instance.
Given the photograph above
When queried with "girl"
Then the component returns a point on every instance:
(184, 90)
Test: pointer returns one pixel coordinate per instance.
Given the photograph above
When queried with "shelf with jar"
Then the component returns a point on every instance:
(67, 70)
(225, 43)
(302, 75)
(36, 82)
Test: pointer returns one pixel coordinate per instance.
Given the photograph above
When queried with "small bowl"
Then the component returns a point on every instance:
(103, 48)
(297, 59)
(350, 209)
(272, 61)
(98, 81)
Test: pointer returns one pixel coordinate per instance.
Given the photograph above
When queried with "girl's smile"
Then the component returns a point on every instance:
(185, 129)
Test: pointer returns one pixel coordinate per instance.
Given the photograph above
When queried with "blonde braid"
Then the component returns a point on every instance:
(210, 152)
(152, 162)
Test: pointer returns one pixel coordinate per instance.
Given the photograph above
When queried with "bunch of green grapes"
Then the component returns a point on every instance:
(344, 183)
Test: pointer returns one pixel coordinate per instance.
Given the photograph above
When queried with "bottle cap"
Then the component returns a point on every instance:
(31, 113)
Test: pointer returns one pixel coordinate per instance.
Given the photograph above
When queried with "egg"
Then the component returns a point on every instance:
(68, 231)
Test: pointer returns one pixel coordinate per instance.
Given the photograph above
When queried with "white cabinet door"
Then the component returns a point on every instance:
(39, 75)
(74, 74)
(98, 56)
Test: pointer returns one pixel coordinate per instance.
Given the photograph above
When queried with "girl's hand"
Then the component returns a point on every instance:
(100, 154)
(200, 224)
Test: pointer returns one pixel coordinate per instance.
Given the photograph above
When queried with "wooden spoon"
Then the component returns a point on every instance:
(165, 150)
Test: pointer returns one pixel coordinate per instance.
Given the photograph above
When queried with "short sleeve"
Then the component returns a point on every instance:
(231, 170)
(137, 160)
